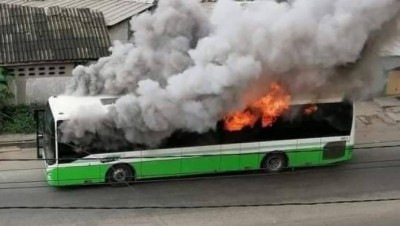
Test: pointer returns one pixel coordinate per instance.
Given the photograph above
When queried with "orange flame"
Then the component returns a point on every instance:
(310, 109)
(268, 108)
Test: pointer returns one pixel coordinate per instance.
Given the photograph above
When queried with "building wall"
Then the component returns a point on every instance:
(43, 70)
(391, 67)
(40, 89)
(35, 83)
(393, 83)
(120, 31)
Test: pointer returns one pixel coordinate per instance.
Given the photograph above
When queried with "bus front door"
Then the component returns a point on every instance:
(39, 119)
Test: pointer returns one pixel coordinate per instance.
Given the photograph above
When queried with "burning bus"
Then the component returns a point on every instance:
(272, 134)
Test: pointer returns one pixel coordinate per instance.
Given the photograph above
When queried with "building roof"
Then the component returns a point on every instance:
(31, 34)
(315, 99)
(114, 11)
(209, 5)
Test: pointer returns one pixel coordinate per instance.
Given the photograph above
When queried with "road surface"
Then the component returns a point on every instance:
(372, 174)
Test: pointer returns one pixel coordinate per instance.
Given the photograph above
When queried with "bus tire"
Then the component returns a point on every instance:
(120, 175)
(274, 162)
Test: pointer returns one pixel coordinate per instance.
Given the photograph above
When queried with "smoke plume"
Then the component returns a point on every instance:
(183, 70)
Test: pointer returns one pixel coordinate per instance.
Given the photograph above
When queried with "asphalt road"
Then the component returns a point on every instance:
(372, 174)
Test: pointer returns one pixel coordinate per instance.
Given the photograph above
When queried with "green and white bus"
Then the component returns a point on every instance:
(326, 136)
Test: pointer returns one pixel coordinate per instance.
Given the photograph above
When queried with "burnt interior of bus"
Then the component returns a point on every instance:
(329, 120)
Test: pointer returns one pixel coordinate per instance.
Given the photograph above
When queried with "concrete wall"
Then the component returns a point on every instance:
(389, 64)
(120, 31)
(38, 82)
(40, 89)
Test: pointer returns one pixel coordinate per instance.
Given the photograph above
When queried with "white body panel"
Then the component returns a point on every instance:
(63, 106)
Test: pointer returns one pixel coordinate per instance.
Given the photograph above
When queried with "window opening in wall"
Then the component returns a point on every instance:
(41, 69)
(51, 73)
(42, 73)
(51, 68)
(11, 72)
(31, 74)
(61, 68)
(62, 73)
(21, 74)
(20, 69)
(31, 69)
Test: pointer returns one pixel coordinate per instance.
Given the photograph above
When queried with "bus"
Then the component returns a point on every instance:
(324, 136)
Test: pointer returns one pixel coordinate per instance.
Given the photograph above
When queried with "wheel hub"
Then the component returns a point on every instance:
(119, 175)
(274, 163)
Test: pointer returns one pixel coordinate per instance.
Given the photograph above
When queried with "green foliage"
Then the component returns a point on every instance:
(5, 92)
(18, 119)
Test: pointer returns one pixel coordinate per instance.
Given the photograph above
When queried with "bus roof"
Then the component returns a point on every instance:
(307, 98)
(63, 106)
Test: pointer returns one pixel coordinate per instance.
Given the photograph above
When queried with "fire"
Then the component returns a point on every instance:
(237, 120)
(310, 109)
(268, 108)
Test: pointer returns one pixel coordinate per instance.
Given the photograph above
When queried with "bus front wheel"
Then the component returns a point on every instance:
(274, 162)
(120, 175)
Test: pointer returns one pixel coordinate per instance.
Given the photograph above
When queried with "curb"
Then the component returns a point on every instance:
(19, 144)
(377, 144)
(9, 149)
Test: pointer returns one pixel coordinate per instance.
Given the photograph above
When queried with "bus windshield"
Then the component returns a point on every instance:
(49, 137)
(67, 152)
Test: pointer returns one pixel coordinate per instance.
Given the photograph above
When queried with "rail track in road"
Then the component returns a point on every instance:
(31, 143)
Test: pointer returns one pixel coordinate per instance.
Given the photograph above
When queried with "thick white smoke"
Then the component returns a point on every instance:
(185, 71)
(158, 51)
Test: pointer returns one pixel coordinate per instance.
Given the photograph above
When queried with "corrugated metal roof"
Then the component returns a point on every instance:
(31, 34)
(144, 1)
(209, 5)
(114, 11)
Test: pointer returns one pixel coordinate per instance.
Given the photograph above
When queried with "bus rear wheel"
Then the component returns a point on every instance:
(274, 163)
(120, 175)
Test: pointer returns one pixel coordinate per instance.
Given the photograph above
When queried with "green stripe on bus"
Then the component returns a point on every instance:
(93, 173)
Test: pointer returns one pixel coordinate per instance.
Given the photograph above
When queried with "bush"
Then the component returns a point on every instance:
(18, 119)
(5, 92)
